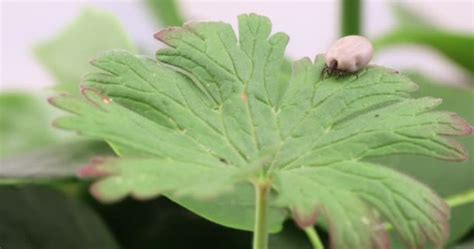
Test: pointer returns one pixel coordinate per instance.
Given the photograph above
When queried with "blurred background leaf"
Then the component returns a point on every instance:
(27, 136)
(413, 29)
(59, 160)
(408, 19)
(166, 12)
(40, 218)
(31, 149)
(67, 56)
(24, 124)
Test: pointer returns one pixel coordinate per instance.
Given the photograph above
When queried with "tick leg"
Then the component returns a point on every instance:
(323, 72)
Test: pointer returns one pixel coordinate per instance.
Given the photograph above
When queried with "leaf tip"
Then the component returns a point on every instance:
(464, 128)
(56, 123)
(51, 100)
(94, 169)
(56, 100)
(165, 35)
(437, 101)
(412, 87)
(279, 37)
(159, 35)
(95, 191)
(305, 220)
(462, 153)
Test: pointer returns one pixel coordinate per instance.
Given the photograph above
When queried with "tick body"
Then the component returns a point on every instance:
(347, 56)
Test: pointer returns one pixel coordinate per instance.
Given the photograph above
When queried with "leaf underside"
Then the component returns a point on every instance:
(214, 110)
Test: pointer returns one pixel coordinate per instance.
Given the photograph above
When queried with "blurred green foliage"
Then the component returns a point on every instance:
(32, 152)
(57, 160)
(67, 55)
(166, 12)
(24, 124)
(412, 29)
(351, 17)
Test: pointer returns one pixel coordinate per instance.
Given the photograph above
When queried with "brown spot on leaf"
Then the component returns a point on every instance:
(106, 100)
(244, 97)
(87, 92)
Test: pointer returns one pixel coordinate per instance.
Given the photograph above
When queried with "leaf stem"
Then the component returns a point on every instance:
(461, 199)
(350, 17)
(166, 12)
(260, 232)
(314, 237)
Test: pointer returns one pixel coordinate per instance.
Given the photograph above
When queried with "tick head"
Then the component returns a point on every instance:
(333, 64)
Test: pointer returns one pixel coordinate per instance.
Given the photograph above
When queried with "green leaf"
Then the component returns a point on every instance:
(434, 172)
(454, 45)
(166, 12)
(66, 56)
(142, 180)
(337, 194)
(34, 217)
(235, 209)
(215, 107)
(142, 184)
(23, 124)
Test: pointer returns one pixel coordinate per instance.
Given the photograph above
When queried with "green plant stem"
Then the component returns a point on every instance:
(350, 17)
(452, 201)
(260, 232)
(461, 199)
(314, 238)
(166, 12)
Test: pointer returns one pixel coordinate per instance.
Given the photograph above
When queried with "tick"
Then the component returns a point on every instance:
(347, 56)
